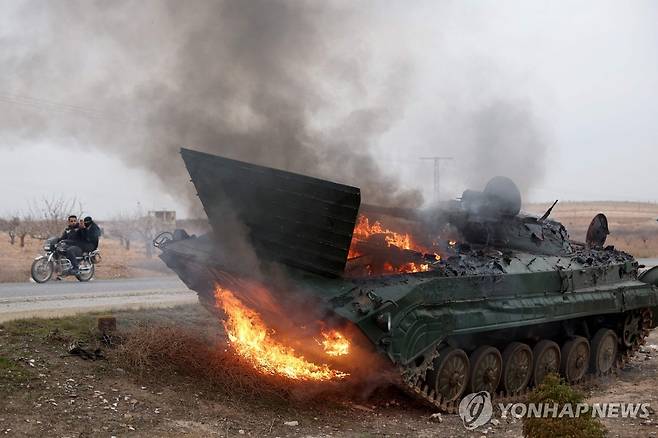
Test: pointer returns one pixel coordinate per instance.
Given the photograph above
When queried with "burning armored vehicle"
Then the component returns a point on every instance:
(474, 296)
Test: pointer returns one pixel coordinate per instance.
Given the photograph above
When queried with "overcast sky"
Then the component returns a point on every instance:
(585, 73)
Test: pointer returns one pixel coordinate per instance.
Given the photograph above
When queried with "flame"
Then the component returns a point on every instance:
(251, 339)
(422, 267)
(407, 268)
(335, 344)
(364, 229)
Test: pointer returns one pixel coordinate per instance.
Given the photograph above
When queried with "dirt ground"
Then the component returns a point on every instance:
(45, 391)
(117, 261)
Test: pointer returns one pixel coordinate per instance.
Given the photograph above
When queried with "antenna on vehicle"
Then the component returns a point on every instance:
(548, 212)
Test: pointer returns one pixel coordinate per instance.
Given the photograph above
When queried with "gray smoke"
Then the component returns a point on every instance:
(243, 79)
(286, 84)
(484, 137)
(506, 140)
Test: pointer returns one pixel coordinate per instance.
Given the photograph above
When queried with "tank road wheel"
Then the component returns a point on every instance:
(604, 351)
(646, 323)
(486, 368)
(631, 329)
(575, 359)
(450, 374)
(547, 360)
(517, 367)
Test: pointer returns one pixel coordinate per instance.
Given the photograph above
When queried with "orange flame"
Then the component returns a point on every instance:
(335, 344)
(407, 268)
(251, 339)
(422, 267)
(363, 230)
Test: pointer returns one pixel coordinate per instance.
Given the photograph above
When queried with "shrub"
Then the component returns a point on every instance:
(555, 391)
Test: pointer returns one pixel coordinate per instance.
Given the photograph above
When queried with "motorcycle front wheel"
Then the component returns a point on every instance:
(42, 269)
(86, 275)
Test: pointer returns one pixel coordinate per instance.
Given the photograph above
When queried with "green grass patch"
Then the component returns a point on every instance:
(554, 390)
(12, 372)
(83, 327)
(79, 327)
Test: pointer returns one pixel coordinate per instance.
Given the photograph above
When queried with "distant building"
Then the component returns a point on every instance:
(166, 217)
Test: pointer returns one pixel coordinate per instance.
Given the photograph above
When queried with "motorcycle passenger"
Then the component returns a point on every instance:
(89, 235)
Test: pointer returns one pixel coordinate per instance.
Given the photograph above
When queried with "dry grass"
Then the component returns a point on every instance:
(16, 261)
(117, 262)
(169, 345)
(633, 225)
(159, 351)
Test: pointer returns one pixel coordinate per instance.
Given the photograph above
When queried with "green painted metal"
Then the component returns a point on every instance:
(517, 272)
(293, 219)
(427, 312)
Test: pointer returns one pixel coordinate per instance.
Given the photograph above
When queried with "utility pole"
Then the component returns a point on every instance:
(437, 176)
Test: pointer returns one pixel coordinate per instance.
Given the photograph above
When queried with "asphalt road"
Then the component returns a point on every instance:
(67, 297)
(649, 262)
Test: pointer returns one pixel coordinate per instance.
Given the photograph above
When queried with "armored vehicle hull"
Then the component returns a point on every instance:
(514, 300)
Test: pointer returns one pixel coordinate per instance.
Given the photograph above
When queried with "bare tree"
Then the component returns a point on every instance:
(121, 227)
(41, 220)
(18, 227)
(10, 226)
(49, 216)
(25, 226)
(145, 228)
(140, 226)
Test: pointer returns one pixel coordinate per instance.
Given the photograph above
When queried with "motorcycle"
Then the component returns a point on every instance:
(55, 262)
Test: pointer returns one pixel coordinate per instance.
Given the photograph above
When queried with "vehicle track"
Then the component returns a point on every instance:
(414, 381)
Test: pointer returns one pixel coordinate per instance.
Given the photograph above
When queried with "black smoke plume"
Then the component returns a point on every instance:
(252, 80)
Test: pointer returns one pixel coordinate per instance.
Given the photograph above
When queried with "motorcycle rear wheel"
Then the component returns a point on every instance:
(42, 270)
(86, 275)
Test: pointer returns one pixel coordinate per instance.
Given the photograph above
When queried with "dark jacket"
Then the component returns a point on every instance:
(70, 233)
(89, 236)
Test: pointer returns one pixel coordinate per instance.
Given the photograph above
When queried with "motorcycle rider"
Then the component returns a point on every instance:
(71, 230)
(71, 236)
(86, 240)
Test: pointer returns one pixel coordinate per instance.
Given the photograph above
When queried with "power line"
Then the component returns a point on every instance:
(437, 176)
(59, 107)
